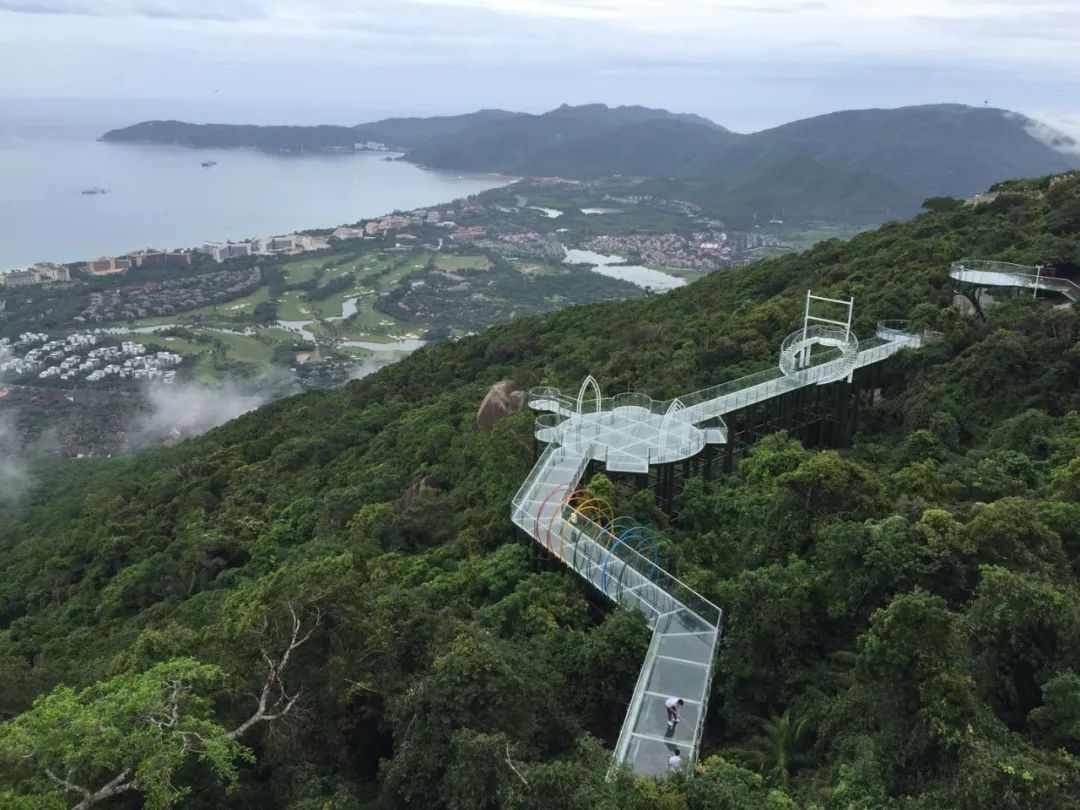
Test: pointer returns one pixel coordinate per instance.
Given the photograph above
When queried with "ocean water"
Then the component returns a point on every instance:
(160, 196)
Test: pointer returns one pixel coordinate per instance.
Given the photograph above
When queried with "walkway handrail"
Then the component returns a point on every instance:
(520, 498)
(665, 581)
(1008, 274)
(831, 336)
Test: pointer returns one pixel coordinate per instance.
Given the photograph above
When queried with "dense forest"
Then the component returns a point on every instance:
(259, 618)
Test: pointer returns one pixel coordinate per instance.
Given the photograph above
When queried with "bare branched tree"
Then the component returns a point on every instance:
(274, 702)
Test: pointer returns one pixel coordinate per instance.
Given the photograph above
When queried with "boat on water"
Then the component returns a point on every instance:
(95, 190)
(206, 164)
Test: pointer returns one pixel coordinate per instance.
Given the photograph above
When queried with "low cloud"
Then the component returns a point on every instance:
(178, 412)
(1062, 132)
(153, 9)
(14, 477)
(368, 366)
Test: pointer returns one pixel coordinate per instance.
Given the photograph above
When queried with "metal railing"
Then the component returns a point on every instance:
(553, 455)
(588, 547)
(795, 351)
(839, 355)
(994, 273)
(897, 331)
(633, 710)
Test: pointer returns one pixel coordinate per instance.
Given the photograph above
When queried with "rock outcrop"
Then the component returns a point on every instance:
(502, 398)
(429, 483)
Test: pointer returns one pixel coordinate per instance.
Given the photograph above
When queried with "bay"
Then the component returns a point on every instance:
(161, 197)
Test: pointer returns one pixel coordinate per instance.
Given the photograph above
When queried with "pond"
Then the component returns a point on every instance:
(611, 267)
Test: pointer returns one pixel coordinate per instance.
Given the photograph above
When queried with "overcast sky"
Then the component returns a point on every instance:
(744, 63)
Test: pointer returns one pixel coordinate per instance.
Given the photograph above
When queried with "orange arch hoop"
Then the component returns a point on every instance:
(581, 504)
(543, 506)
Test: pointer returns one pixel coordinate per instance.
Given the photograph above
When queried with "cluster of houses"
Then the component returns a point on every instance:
(394, 222)
(705, 251)
(218, 251)
(38, 274)
(76, 357)
(110, 265)
(680, 207)
(521, 245)
(265, 246)
(170, 296)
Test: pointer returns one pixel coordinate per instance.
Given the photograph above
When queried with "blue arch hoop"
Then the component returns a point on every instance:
(627, 532)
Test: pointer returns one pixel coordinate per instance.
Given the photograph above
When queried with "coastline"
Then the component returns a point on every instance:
(333, 198)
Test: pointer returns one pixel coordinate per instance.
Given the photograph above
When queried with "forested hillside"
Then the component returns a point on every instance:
(256, 618)
(852, 166)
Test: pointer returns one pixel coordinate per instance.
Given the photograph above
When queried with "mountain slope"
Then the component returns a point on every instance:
(792, 188)
(870, 164)
(902, 156)
(907, 612)
(940, 149)
(552, 144)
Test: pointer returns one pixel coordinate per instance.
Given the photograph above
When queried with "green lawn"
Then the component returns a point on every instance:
(173, 344)
(229, 310)
(681, 272)
(204, 369)
(537, 268)
(278, 335)
(447, 262)
(366, 324)
(355, 351)
(241, 347)
(291, 308)
(304, 270)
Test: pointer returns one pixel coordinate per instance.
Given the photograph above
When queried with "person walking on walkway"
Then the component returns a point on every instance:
(674, 709)
(674, 761)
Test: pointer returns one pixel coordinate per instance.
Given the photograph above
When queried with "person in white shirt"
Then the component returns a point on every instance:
(674, 761)
(674, 708)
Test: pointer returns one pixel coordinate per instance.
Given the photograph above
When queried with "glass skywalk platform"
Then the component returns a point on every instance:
(1006, 274)
(630, 433)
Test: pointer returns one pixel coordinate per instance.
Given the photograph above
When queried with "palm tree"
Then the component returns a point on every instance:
(779, 749)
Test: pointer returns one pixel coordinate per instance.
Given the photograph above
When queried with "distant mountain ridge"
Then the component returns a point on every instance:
(400, 133)
(859, 165)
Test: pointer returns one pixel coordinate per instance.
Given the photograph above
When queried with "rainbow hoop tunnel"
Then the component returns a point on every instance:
(585, 513)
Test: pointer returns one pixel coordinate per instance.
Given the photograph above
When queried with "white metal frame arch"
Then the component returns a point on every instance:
(674, 411)
(590, 382)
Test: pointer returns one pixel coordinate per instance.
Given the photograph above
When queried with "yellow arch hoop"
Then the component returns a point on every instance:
(583, 502)
(586, 505)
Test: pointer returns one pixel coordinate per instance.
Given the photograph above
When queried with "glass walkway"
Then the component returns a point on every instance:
(1006, 274)
(630, 433)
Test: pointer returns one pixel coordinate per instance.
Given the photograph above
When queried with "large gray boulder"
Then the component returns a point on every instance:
(502, 398)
